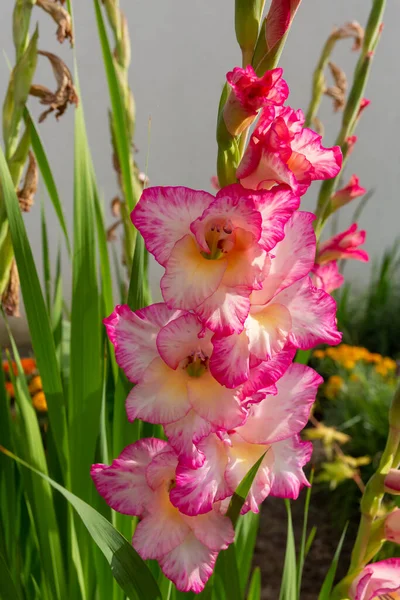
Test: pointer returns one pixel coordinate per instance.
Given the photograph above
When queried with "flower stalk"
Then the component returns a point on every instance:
(351, 111)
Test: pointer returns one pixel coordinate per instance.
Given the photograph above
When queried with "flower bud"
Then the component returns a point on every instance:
(21, 21)
(348, 193)
(392, 482)
(248, 14)
(392, 526)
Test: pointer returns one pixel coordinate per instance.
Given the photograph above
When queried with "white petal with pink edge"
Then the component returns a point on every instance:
(162, 530)
(196, 490)
(247, 266)
(189, 277)
(161, 396)
(236, 209)
(268, 372)
(326, 162)
(164, 214)
(270, 170)
(180, 339)
(268, 329)
(313, 313)
(225, 311)
(123, 484)
(377, 580)
(184, 436)
(134, 336)
(287, 459)
(276, 207)
(281, 416)
(162, 468)
(215, 403)
(229, 362)
(190, 565)
(213, 530)
(293, 257)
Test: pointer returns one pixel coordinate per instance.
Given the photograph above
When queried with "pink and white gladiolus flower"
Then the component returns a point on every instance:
(348, 193)
(392, 482)
(327, 276)
(249, 94)
(166, 353)
(376, 581)
(215, 250)
(343, 245)
(282, 150)
(272, 429)
(392, 526)
(138, 483)
(288, 312)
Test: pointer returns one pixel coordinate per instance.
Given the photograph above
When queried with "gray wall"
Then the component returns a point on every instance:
(181, 51)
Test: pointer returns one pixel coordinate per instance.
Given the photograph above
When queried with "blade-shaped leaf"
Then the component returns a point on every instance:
(288, 585)
(127, 567)
(304, 535)
(8, 589)
(241, 492)
(255, 585)
(326, 589)
(38, 320)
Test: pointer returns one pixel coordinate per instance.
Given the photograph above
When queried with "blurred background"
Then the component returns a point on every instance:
(181, 52)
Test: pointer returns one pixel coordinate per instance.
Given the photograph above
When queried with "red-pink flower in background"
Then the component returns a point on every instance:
(343, 245)
(249, 94)
(348, 193)
(282, 150)
(377, 580)
(138, 483)
(327, 276)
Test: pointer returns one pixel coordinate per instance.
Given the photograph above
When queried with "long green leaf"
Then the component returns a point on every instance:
(46, 259)
(288, 586)
(326, 589)
(47, 175)
(131, 188)
(245, 539)
(304, 536)
(127, 567)
(255, 585)
(38, 320)
(8, 590)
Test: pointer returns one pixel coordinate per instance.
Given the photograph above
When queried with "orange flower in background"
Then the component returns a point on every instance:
(39, 402)
(35, 385)
(10, 389)
(28, 365)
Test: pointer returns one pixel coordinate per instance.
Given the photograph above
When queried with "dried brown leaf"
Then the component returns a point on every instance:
(26, 194)
(10, 297)
(350, 30)
(60, 16)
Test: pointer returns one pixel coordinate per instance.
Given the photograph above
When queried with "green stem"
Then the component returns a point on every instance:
(319, 80)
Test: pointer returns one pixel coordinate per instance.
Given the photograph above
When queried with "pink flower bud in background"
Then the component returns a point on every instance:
(392, 526)
(348, 193)
(392, 482)
(363, 105)
(377, 580)
(279, 19)
(249, 94)
(343, 245)
(327, 277)
(350, 141)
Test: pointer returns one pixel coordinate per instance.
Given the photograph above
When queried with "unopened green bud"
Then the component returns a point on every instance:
(113, 15)
(21, 21)
(248, 15)
(17, 94)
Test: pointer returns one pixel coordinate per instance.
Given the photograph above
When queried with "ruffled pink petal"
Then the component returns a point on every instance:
(270, 170)
(164, 214)
(161, 396)
(226, 310)
(376, 580)
(293, 258)
(247, 267)
(134, 336)
(343, 245)
(123, 484)
(268, 330)
(254, 92)
(268, 372)
(327, 277)
(313, 315)
(281, 416)
(287, 459)
(326, 162)
(215, 403)
(229, 362)
(162, 530)
(184, 436)
(213, 530)
(180, 339)
(196, 490)
(243, 456)
(189, 277)
(190, 565)
(236, 210)
(276, 207)
(162, 468)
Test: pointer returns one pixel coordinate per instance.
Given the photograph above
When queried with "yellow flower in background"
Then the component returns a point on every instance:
(361, 461)
(35, 385)
(335, 473)
(333, 386)
(389, 363)
(382, 370)
(354, 377)
(349, 364)
(327, 435)
(39, 402)
(319, 354)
